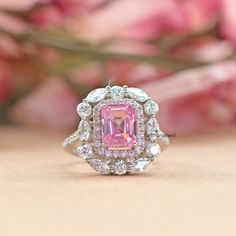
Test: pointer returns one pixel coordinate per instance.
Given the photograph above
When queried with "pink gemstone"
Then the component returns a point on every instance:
(118, 126)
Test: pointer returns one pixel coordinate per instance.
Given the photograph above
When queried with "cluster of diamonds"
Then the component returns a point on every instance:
(138, 141)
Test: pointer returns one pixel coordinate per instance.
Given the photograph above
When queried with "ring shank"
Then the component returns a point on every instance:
(71, 143)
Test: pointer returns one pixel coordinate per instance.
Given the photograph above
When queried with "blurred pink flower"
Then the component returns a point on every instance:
(51, 105)
(8, 47)
(184, 115)
(47, 16)
(191, 81)
(229, 19)
(19, 5)
(187, 100)
(200, 13)
(226, 92)
(212, 50)
(139, 19)
(91, 75)
(145, 72)
(12, 24)
(88, 75)
(5, 79)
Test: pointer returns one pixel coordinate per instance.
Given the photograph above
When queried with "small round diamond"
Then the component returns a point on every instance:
(117, 92)
(85, 151)
(84, 109)
(153, 150)
(120, 167)
(150, 107)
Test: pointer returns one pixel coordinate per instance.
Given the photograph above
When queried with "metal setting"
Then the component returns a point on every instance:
(88, 141)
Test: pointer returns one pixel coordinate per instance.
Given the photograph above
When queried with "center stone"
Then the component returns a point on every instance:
(118, 126)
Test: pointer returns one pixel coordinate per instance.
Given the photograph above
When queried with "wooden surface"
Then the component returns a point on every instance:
(190, 190)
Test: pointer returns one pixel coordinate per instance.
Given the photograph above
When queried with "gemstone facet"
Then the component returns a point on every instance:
(164, 138)
(84, 130)
(118, 126)
(153, 150)
(84, 109)
(96, 95)
(150, 107)
(99, 165)
(140, 165)
(152, 129)
(85, 151)
(137, 94)
(117, 92)
(120, 167)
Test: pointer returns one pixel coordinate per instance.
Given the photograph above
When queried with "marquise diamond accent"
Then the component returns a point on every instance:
(152, 129)
(137, 94)
(96, 95)
(140, 165)
(84, 130)
(99, 165)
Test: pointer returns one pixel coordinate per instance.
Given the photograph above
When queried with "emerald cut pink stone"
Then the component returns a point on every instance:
(118, 126)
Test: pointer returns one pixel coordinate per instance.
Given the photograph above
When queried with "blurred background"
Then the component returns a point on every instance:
(181, 52)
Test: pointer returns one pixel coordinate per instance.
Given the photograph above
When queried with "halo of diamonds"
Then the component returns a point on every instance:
(89, 132)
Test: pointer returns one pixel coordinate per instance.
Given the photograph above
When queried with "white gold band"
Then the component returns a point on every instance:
(118, 132)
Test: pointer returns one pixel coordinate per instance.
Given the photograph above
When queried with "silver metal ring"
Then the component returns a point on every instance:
(118, 132)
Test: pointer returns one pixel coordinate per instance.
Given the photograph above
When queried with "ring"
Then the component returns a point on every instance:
(118, 132)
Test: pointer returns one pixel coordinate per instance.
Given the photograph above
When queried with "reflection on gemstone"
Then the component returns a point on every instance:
(120, 167)
(96, 95)
(84, 109)
(150, 107)
(85, 151)
(99, 165)
(152, 129)
(153, 150)
(118, 126)
(84, 130)
(117, 92)
(137, 94)
(140, 164)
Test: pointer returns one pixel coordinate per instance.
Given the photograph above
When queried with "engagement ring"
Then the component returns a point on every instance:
(118, 132)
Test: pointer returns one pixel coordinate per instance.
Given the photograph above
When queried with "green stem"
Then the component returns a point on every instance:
(168, 42)
(60, 43)
(163, 61)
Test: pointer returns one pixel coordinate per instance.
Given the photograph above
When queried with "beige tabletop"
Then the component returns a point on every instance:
(190, 190)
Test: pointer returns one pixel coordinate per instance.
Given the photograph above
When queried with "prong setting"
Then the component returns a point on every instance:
(118, 131)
